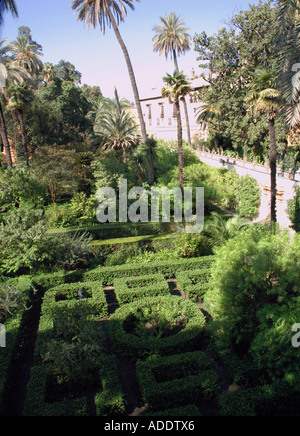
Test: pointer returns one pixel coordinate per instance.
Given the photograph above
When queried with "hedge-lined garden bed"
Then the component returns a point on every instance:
(160, 325)
(83, 348)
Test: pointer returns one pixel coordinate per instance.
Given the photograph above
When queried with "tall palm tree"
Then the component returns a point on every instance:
(111, 13)
(117, 131)
(48, 72)
(172, 39)
(8, 5)
(177, 86)
(264, 98)
(3, 78)
(289, 16)
(149, 150)
(20, 97)
(26, 55)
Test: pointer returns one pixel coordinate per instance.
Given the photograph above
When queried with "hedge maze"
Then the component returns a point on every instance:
(83, 344)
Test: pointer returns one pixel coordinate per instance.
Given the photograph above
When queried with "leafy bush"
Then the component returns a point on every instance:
(73, 252)
(269, 400)
(249, 197)
(77, 358)
(254, 299)
(23, 241)
(80, 211)
(18, 187)
(294, 210)
(13, 298)
(226, 188)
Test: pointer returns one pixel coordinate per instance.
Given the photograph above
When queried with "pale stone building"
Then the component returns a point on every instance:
(160, 117)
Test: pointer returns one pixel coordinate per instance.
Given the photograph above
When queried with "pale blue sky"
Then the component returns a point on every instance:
(99, 58)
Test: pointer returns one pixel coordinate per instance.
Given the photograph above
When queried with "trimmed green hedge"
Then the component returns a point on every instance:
(131, 289)
(12, 331)
(268, 400)
(63, 300)
(110, 401)
(194, 283)
(12, 327)
(189, 410)
(94, 306)
(35, 404)
(134, 347)
(168, 268)
(193, 380)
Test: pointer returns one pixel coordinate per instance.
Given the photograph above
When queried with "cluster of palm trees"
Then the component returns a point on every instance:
(171, 38)
(20, 68)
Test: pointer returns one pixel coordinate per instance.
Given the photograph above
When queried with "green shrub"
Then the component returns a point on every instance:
(167, 268)
(194, 283)
(36, 404)
(23, 241)
(160, 325)
(131, 289)
(269, 400)
(110, 401)
(189, 379)
(190, 410)
(249, 197)
(254, 299)
(294, 210)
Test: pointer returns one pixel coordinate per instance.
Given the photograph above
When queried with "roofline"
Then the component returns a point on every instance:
(158, 98)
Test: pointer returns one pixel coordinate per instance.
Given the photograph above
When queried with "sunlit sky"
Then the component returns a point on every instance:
(99, 57)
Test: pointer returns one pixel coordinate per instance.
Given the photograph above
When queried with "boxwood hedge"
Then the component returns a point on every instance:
(194, 283)
(132, 346)
(131, 289)
(168, 268)
(192, 380)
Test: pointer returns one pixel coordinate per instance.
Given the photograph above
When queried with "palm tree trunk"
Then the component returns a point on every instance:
(23, 135)
(4, 138)
(131, 76)
(150, 170)
(117, 101)
(188, 129)
(273, 167)
(179, 138)
(216, 143)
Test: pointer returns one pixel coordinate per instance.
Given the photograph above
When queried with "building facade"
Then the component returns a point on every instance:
(160, 116)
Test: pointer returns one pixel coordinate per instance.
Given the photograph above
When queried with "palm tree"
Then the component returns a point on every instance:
(48, 72)
(177, 87)
(264, 98)
(111, 13)
(26, 55)
(223, 228)
(3, 78)
(172, 39)
(20, 97)
(289, 16)
(207, 113)
(149, 150)
(8, 5)
(117, 131)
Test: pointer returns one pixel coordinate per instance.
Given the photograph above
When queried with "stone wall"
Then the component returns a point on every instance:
(286, 183)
